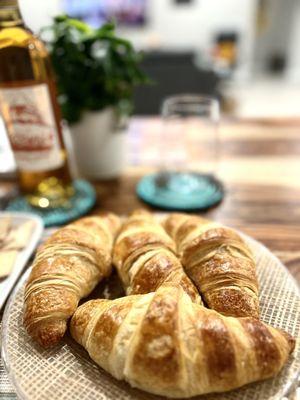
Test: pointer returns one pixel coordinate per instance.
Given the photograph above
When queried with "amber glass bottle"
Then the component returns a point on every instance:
(30, 111)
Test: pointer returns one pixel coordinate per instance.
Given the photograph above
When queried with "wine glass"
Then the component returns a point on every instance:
(189, 155)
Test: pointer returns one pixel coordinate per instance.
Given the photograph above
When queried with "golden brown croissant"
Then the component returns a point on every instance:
(67, 268)
(166, 344)
(144, 257)
(219, 263)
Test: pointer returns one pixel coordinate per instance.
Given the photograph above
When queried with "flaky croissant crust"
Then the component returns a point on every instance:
(144, 257)
(66, 268)
(219, 263)
(164, 343)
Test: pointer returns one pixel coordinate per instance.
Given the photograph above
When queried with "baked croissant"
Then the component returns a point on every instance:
(67, 268)
(166, 344)
(144, 257)
(219, 263)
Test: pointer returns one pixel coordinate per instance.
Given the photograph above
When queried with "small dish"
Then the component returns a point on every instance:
(6, 284)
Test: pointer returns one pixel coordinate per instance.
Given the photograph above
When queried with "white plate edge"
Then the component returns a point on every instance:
(23, 258)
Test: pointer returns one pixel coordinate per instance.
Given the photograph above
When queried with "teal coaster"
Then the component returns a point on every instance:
(82, 202)
(181, 192)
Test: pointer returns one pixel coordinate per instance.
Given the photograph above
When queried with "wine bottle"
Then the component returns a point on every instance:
(31, 113)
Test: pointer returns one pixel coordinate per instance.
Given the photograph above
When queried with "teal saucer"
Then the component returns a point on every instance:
(181, 192)
(83, 201)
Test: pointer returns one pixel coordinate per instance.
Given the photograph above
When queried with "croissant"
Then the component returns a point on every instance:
(67, 268)
(166, 344)
(219, 263)
(144, 257)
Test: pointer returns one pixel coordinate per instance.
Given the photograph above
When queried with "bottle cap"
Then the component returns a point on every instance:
(8, 3)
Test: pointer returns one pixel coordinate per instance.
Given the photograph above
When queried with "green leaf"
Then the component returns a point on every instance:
(94, 67)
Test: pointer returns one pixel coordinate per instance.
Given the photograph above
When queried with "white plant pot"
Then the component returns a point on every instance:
(99, 145)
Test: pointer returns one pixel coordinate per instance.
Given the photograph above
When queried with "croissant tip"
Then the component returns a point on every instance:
(49, 334)
(48, 342)
(290, 340)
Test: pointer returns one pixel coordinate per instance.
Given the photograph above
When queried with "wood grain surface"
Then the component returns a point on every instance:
(259, 165)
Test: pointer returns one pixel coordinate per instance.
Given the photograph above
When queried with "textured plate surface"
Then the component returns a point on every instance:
(67, 373)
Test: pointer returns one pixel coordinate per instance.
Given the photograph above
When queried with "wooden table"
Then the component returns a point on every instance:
(260, 168)
(259, 165)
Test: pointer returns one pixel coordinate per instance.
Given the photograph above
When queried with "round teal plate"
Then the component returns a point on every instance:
(83, 201)
(206, 192)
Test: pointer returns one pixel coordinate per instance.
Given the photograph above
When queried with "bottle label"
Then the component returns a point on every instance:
(31, 127)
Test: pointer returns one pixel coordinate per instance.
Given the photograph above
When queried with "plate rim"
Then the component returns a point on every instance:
(25, 253)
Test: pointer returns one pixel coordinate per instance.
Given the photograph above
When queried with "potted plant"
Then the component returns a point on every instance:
(96, 74)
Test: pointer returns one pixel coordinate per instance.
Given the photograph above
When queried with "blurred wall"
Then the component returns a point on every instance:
(39, 13)
(172, 26)
(194, 25)
(275, 34)
(293, 68)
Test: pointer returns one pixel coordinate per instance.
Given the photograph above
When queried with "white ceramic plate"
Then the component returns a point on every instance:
(66, 371)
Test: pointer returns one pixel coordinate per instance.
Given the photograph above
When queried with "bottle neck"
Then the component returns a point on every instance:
(10, 14)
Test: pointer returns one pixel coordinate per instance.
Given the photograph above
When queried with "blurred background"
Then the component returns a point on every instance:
(249, 46)
(244, 52)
